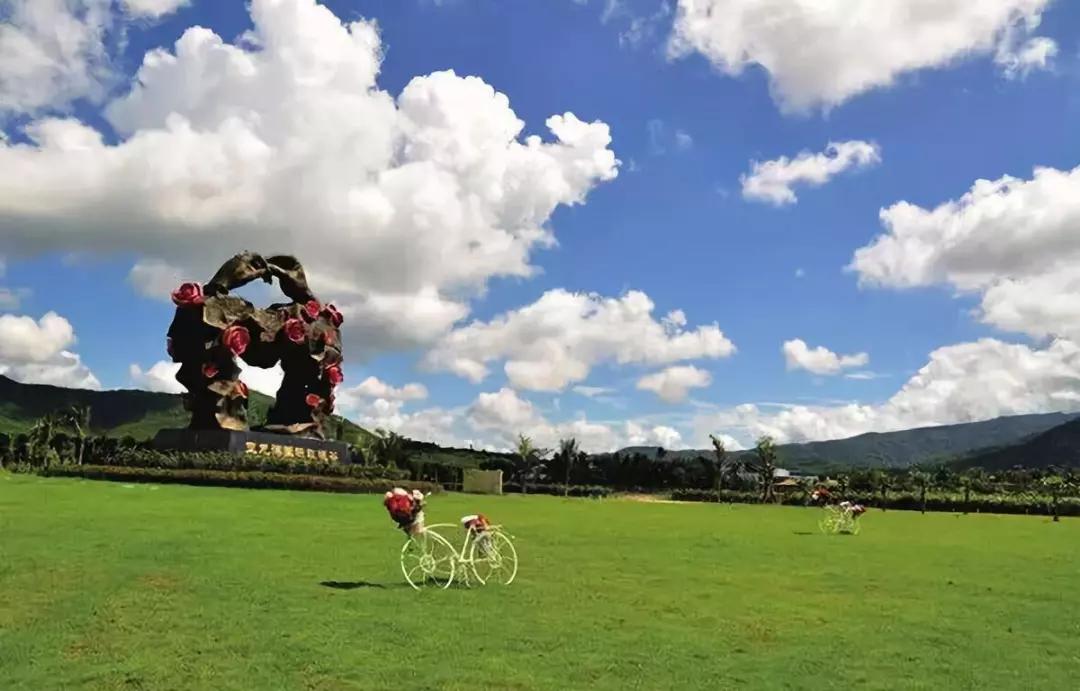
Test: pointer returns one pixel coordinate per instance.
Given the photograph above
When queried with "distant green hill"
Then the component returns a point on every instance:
(1059, 446)
(119, 413)
(907, 447)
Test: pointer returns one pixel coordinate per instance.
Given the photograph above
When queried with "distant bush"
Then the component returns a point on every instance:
(1020, 503)
(594, 491)
(229, 478)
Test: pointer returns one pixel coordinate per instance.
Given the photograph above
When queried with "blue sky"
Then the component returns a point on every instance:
(670, 221)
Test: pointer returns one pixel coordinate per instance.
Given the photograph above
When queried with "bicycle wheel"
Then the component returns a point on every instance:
(493, 558)
(428, 559)
(828, 522)
(855, 526)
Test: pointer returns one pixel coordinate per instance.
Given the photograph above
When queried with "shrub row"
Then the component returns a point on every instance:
(594, 491)
(228, 478)
(206, 460)
(1026, 503)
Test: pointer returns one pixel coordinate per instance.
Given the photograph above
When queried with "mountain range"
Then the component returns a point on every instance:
(911, 447)
(1059, 446)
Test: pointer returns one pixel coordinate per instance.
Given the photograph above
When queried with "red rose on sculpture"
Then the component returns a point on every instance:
(334, 375)
(333, 315)
(312, 309)
(240, 389)
(209, 370)
(313, 400)
(188, 295)
(294, 330)
(236, 339)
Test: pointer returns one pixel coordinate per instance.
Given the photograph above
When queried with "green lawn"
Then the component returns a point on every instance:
(107, 586)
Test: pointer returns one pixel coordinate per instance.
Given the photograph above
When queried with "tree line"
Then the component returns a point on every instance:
(64, 437)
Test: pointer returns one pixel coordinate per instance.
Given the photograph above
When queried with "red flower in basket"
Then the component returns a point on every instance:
(399, 505)
(236, 339)
(311, 310)
(188, 295)
(333, 315)
(240, 390)
(313, 400)
(209, 370)
(294, 330)
(334, 375)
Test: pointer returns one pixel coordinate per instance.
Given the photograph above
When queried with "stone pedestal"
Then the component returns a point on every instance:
(252, 444)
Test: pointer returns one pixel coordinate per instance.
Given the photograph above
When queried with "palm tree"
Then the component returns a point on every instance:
(765, 451)
(843, 481)
(1054, 483)
(921, 479)
(719, 460)
(387, 448)
(41, 436)
(528, 460)
(879, 481)
(568, 453)
(78, 416)
(971, 479)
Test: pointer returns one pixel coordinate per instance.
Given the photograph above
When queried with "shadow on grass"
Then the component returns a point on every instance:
(803, 532)
(350, 585)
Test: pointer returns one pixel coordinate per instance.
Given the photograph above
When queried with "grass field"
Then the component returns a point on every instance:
(107, 586)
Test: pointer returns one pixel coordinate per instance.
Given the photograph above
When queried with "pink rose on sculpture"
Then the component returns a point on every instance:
(236, 339)
(188, 295)
(294, 330)
(311, 310)
(333, 315)
(313, 400)
(334, 375)
(209, 370)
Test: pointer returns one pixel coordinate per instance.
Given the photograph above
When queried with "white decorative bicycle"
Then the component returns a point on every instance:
(487, 556)
(841, 519)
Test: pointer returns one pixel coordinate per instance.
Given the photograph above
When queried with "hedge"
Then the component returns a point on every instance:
(211, 460)
(1024, 503)
(226, 478)
(594, 491)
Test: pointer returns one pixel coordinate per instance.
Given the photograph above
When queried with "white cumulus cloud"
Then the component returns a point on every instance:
(772, 181)
(819, 360)
(161, 376)
(965, 382)
(673, 384)
(401, 208)
(153, 8)
(1012, 241)
(823, 52)
(52, 52)
(36, 352)
(558, 339)
(497, 418)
